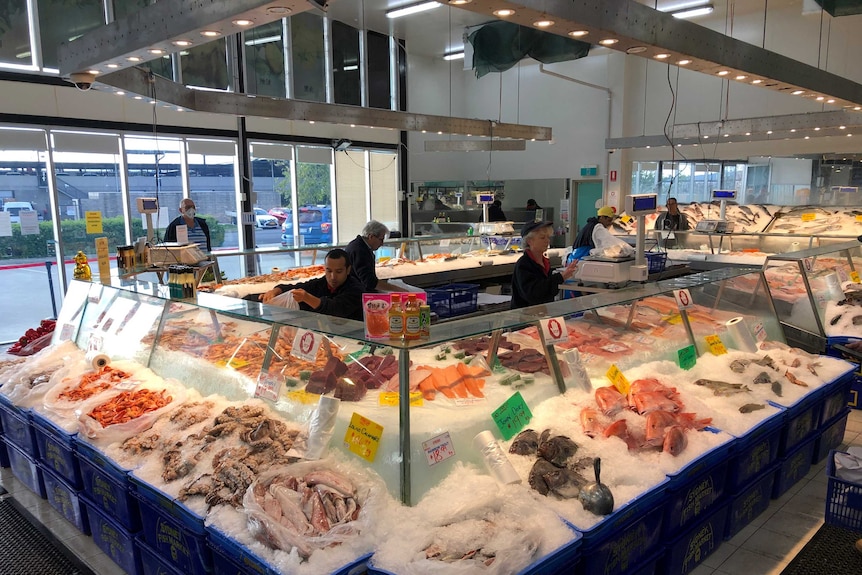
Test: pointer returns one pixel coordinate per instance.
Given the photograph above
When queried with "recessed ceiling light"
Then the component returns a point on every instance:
(636, 50)
(608, 41)
(209, 33)
(748, 133)
(830, 101)
(113, 65)
(857, 107)
(692, 11)
(726, 135)
(578, 33)
(807, 137)
(820, 98)
(311, 121)
(706, 137)
(459, 55)
(275, 10)
(543, 23)
(504, 12)
(756, 81)
(662, 56)
(768, 131)
(740, 77)
(683, 63)
(816, 129)
(723, 73)
(182, 43)
(459, 2)
(842, 127)
(139, 97)
(133, 59)
(797, 92)
(792, 130)
(848, 135)
(94, 72)
(439, 133)
(243, 22)
(120, 93)
(156, 51)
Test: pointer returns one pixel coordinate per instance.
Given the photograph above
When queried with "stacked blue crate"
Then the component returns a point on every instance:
(56, 449)
(748, 500)
(107, 486)
(66, 500)
(698, 542)
(113, 539)
(831, 435)
(16, 427)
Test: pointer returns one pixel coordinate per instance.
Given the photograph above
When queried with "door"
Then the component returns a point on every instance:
(586, 196)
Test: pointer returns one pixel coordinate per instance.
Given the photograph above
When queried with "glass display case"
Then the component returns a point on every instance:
(396, 398)
(817, 293)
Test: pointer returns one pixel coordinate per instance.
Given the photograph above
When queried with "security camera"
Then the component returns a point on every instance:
(82, 80)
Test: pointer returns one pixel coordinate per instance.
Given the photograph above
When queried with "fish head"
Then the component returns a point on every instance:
(656, 424)
(590, 421)
(565, 482)
(557, 449)
(675, 440)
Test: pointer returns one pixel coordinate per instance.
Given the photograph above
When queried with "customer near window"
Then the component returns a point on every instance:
(337, 293)
(198, 230)
(673, 219)
(533, 282)
(495, 212)
(532, 205)
(362, 259)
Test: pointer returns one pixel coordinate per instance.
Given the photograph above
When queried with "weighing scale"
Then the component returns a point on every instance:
(721, 225)
(148, 207)
(486, 228)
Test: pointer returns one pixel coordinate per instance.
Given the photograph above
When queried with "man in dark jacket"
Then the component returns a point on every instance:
(584, 242)
(337, 293)
(363, 262)
(198, 230)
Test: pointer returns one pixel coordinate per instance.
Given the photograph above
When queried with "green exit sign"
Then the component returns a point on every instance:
(589, 171)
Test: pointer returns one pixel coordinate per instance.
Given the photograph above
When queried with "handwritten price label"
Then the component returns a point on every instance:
(618, 379)
(438, 449)
(854, 277)
(268, 387)
(512, 416)
(759, 331)
(626, 219)
(233, 363)
(302, 396)
(715, 345)
(392, 398)
(66, 332)
(363, 437)
(809, 217)
(687, 357)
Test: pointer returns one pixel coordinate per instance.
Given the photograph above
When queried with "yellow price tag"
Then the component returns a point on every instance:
(674, 319)
(363, 437)
(618, 379)
(302, 396)
(626, 219)
(235, 363)
(854, 277)
(859, 218)
(391, 398)
(715, 345)
(809, 217)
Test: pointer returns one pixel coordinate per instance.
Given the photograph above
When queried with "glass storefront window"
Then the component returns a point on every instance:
(264, 64)
(346, 78)
(213, 186)
(58, 22)
(206, 65)
(308, 56)
(155, 170)
(123, 8)
(15, 34)
(272, 182)
(379, 65)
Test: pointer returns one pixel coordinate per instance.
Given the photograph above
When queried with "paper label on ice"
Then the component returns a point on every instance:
(759, 331)
(854, 277)
(438, 449)
(716, 346)
(302, 396)
(66, 331)
(626, 219)
(618, 379)
(464, 401)
(95, 343)
(363, 437)
(687, 357)
(305, 345)
(683, 298)
(554, 330)
(512, 415)
(392, 398)
(809, 217)
(614, 348)
(268, 387)
(233, 363)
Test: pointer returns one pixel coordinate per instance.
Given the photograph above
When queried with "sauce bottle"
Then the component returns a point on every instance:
(424, 320)
(396, 317)
(412, 324)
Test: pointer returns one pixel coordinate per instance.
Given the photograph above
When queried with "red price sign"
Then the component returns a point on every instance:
(554, 330)
(683, 298)
(438, 449)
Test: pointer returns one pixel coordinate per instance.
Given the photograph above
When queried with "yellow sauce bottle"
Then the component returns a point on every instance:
(396, 317)
(412, 323)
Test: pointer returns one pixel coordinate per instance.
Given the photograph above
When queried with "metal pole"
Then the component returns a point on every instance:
(404, 420)
(51, 288)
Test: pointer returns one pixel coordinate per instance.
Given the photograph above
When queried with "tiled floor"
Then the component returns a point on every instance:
(764, 547)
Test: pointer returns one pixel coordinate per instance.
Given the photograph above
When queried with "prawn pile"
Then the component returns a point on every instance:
(129, 405)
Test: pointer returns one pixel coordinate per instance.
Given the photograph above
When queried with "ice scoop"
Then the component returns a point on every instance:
(597, 497)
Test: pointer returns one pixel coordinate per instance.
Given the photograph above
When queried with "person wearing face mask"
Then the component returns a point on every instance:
(199, 231)
(533, 282)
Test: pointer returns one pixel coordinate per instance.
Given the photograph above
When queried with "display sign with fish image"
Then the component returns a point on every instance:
(512, 416)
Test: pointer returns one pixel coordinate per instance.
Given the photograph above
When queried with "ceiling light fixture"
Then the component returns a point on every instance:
(182, 43)
(683, 63)
(543, 23)
(662, 56)
(797, 92)
(578, 33)
(504, 12)
(243, 22)
(459, 2)
(740, 77)
(459, 55)
(830, 101)
(756, 81)
(723, 72)
(608, 41)
(210, 33)
(278, 10)
(412, 9)
(693, 12)
(636, 50)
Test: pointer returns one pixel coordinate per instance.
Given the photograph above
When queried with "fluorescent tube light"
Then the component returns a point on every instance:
(263, 40)
(693, 12)
(411, 9)
(454, 55)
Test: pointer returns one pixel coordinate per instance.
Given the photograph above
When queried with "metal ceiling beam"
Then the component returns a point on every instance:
(645, 32)
(161, 89)
(158, 26)
(475, 145)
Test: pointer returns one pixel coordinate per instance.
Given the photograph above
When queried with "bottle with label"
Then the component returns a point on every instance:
(396, 317)
(424, 320)
(412, 324)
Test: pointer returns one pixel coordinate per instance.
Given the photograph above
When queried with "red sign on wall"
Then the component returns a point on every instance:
(613, 175)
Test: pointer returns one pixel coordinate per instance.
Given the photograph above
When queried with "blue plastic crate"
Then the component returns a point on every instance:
(16, 426)
(26, 470)
(56, 450)
(152, 564)
(696, 489)
(107, 486)
(113, 539)
(4, 453)
(836, 397)
(854, 400)
(831, 436)
(696, 544)
(656, 261)
(172, 530)
(65, 499)
(801, 422)
(755, 451)
(749, 501)
(843, 499)
(453, 299)
(620, 542)
(793, 467)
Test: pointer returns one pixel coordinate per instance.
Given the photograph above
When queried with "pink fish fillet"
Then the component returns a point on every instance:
(610, 400)
(648, 401)
(675, 440)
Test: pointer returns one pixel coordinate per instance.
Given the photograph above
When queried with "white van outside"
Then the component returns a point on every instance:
(15, 208)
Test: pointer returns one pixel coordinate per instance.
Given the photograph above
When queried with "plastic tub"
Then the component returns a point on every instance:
(843, 499)
(65, 499)
(57, 450)
(107, 487)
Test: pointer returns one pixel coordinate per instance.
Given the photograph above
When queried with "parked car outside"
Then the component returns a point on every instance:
(264, 220)
(315, 226)
(280, 214)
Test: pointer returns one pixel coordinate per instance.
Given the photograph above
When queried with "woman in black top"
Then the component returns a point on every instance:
(533, 282)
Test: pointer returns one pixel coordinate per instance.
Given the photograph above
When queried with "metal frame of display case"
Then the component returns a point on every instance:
(443, 334)
(805, 260)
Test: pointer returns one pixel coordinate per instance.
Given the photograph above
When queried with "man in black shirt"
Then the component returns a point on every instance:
(362, 260)
(672, 219)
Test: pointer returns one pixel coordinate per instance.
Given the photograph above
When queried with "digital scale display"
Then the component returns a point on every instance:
(641, 204)
(485, 197)
(723, 194)
(147, 205)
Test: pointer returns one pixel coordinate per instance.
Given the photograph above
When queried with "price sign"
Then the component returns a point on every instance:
(363, 437)
(95, 343)
(93, 222)
(626, 219)
(854, 277)
(444, 243)
(809, 217)
(683, 298)
(615, 347)
(842, 273)
(512, 416)
(618, 379)
(302, 396)
(392, 398)
(687, 357)
(715, 345)
(233, 363)
(66, 332)
(466, 401)
(808, 264)
(859, 218)
(305, 345)
(554, 330)
(674, 319)
(759, 331)
(268, 387)
(438, 449)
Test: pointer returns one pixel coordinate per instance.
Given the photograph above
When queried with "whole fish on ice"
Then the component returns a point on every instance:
(722, 388)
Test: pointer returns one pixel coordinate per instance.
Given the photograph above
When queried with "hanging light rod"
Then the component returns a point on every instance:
(411, 9)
